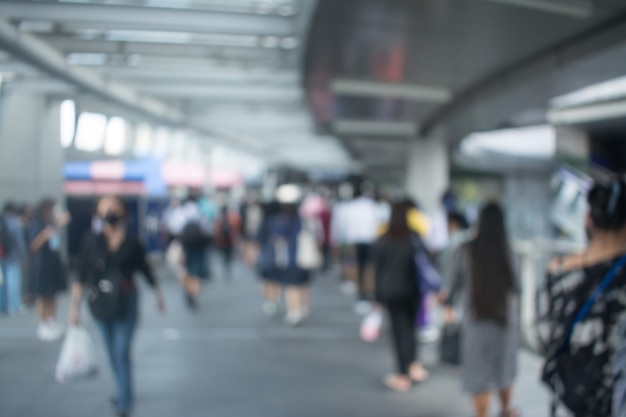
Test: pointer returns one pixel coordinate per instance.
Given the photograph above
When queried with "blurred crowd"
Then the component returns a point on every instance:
(393, 257)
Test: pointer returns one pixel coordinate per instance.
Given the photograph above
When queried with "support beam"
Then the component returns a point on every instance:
(98, 16)
(37, 53)
(194, 50)
(368, 88)
(235, 93)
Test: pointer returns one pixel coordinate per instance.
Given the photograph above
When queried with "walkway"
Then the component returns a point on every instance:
(231, 361)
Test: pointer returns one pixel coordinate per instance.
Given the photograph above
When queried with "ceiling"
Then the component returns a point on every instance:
(315, 84)
(229, 69)
(394, 70)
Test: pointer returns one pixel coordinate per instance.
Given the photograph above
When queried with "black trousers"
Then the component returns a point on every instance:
(227, 253)
(363, 260)
(403, 324)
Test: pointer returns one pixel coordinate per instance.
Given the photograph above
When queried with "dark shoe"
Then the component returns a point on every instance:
(192, 303)
(113, 403)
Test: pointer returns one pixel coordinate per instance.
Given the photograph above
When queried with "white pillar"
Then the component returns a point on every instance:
(31, 156)
(428, 172)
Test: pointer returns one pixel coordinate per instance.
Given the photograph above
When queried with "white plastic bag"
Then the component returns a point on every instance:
(77, 357)
(174, 257)
(371, 326)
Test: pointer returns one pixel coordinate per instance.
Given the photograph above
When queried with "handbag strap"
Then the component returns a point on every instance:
(586, 308)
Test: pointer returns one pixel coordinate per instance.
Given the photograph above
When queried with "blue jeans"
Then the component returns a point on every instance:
(118, 336)
(11, 291)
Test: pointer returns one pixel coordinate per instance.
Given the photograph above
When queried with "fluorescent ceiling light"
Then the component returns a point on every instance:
(90, 59)
(374, 128)
(604, 91)
(571, 8)
(123, 35)
(90, 131)
(392, 90)
(244, 41)
(536, 142)
(115, 138)
(143, 140)
(150, 36)
(68, 122)
(586, 114)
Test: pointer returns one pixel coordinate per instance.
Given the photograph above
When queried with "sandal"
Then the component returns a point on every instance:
(397, 384)
(420, 375)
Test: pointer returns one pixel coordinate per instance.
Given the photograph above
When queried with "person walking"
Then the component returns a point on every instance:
(581, 308)
(14, 255)
(110, 253)
(48, 272)
(226, 231)
(397, 290)
(483, 271)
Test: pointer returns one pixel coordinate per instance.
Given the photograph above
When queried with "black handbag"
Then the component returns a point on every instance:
(450, 344)
(573, 375)
(105, 293)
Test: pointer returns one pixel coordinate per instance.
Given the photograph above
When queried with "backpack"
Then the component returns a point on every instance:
(5, 238)
(105, 293)
(192, 235)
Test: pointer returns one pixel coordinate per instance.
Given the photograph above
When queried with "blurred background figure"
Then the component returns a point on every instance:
(194, 237)
(398, 292)
(482, 272)
(362, 231)
(12, 258)
(49, 271)
(263, 257)
(227, 233)
(26, 213)
(590, 361)
(251, 214)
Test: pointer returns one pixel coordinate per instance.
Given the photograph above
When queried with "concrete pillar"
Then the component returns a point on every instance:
(31, 156)
(428, 171)
(572, 146)
(527, 201)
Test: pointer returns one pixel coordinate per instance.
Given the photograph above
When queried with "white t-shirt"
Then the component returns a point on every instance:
(363, 221)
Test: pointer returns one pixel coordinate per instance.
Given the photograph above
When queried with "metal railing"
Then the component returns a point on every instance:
(533, 257)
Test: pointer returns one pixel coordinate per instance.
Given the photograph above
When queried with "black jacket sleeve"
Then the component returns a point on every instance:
(143, 265)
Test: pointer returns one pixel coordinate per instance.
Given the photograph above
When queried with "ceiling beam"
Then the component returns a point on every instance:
(374, 128)
(543, 63)
(99, 16)
(39, 54)
(370, 88)
(69, 45)
(234, 93)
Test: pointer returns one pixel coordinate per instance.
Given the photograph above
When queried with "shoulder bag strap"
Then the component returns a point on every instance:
(586, 308)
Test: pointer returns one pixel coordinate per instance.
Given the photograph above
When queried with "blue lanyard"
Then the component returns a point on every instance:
(586, 308)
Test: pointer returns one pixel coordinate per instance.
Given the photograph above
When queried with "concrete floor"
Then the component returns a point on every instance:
(229, 360)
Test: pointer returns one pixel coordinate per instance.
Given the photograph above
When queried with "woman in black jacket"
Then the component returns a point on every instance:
(398, 292)
(107, 256)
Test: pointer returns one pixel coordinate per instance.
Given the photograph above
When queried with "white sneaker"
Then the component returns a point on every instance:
(44, 332)
(56, 330)
(270, 308)
(294, 319)
(348, 288)
(362, 308)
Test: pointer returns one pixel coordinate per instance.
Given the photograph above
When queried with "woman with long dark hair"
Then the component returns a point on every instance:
(398, 292)
(108, 262)
(483, 271)
(585, 366)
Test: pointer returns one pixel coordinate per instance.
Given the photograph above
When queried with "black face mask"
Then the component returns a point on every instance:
(112, 219)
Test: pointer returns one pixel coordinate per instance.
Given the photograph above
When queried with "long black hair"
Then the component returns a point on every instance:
(398, 224)
(492, 277)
